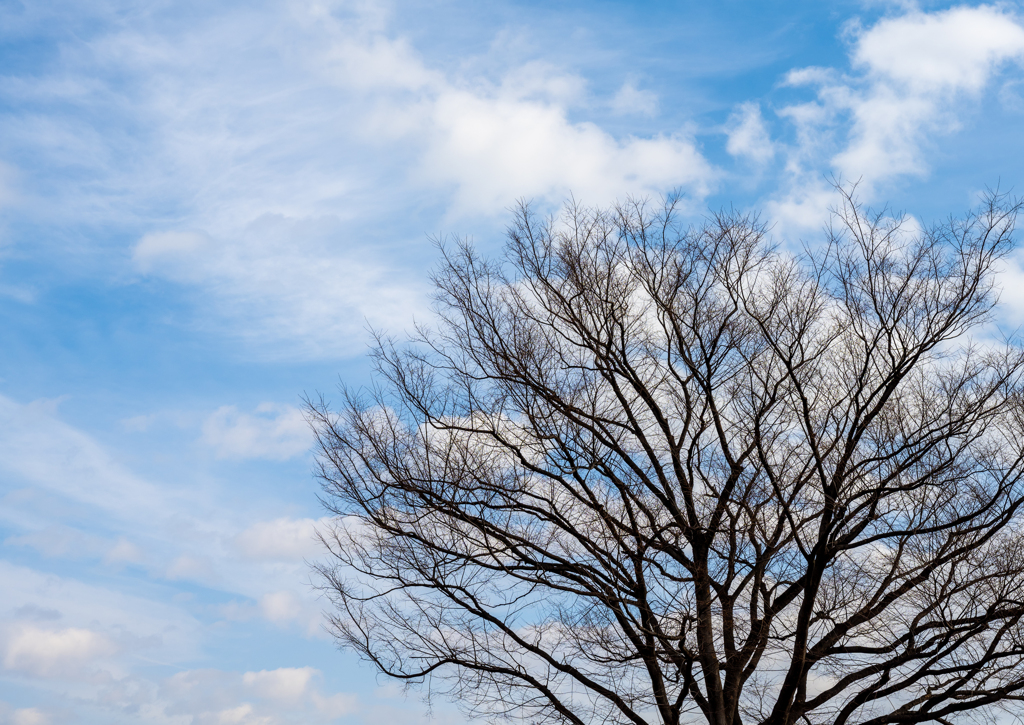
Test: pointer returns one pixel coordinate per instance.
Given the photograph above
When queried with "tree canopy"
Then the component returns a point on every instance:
(642, 472)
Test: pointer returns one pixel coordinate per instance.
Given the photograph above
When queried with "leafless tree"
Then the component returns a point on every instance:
(639, 472)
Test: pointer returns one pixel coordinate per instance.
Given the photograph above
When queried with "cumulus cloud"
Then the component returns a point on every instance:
(495, 142)
(49, 652)
(912, 74)
(55, 611)
(96, 643)
(747, 135)
(955, 49)
(497, 148)
(918, 67)
(1011, 288)
(271, 431)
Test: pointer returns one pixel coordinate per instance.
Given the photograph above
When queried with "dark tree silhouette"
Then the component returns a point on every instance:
(641, 473)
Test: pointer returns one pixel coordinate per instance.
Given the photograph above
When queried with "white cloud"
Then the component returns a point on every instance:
(192, 568)
(286, 608)
(25, 716)
(337, 705)
(281, 606)
(97, 642)
(747, 135)
(271, 166)
(241, 715)
(805, 206)
(177, 533)
(135, 625)
(494, 143)
(267, 696)
(38, 448)
(123, 552)
(918, 67)
(282, 539)
(284, 683)
(914, 74)
(275, 432)
(631, 100)
(50, 653)
(496, 148)
(1011, 288)
(955, 49)
(61, 541)
(168, 248)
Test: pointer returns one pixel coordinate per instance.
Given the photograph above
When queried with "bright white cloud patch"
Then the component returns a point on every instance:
(496, 143)
(915, 73)
(275, 432)
(54, 652)
(1011, 288)
(955, 49)
(497, 149)
(747, 135)
(918, 68)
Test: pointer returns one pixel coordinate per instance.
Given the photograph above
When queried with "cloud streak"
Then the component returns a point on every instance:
(261, 172)
(274, 432)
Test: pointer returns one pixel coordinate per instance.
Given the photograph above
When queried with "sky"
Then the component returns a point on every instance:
(204, 206)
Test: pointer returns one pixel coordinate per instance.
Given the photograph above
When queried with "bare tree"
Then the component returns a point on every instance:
(644, 473)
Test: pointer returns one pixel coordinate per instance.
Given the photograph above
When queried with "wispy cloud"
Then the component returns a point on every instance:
(271, 431)
(61, 631)
(277, 166)
(283, 539)
(260, 170)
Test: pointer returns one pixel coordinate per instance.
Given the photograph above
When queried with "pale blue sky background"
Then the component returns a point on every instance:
(203, 204)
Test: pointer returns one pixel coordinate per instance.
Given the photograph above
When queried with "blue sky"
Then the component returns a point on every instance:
(204, 204)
